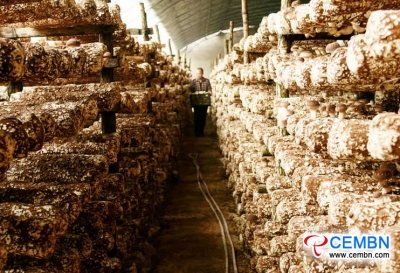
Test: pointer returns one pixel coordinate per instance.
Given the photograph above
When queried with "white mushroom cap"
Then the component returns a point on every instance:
(316, 50)
(73, 43)
(296, 3)
(289, 13)
(310, 34)
(306, 54)
(322, 50)
(332, 47)
(294, 48)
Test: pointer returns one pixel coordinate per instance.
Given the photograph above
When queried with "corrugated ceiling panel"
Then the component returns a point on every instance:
(190, 20)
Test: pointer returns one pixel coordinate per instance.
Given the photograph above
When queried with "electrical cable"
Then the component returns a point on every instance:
(194, 157)
(225, 224)
(215, 210)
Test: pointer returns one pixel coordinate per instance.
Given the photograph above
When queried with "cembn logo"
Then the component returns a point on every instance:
(315, 241)
(347, 246)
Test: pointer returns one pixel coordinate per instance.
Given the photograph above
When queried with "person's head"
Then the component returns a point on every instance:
(200, 73)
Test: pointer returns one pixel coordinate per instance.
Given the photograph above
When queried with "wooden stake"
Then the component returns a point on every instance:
(157, 33)
(169, 47)
(245, 17)
(226, 47)
(285, 4)
(108, 119)
(219, 56)
(144, 23)
(179, 56)
(283, 41)
(245, 57)
(189, 63)
(107, 74)
(231, 27)
(184, 60)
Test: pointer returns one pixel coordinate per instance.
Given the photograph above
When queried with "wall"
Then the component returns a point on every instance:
(204, 53)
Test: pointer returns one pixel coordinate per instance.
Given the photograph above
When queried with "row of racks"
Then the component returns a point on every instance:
(304, 135)
(86, 160)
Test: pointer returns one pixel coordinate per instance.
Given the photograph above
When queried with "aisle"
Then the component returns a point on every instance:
(190, 241)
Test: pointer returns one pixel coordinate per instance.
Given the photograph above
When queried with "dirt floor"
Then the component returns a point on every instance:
(190, 239)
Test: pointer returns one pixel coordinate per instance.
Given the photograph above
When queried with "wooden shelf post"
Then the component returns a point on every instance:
(226, 47)
(107, 74)
(169, 47)
(283, 44)
(145, 30)
(231, 28)
(157, 34)
(108, 119)
(245, 17)
(144, 23)
(179, 56)
(184, 60)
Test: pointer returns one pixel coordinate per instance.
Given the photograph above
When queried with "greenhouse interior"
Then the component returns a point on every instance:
(209, 136)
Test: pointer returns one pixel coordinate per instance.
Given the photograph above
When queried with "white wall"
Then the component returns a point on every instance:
(205, 53)
(132, 17)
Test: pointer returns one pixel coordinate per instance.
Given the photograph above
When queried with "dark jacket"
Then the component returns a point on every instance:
(200, 85)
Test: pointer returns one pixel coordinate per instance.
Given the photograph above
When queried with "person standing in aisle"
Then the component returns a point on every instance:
(200, 111)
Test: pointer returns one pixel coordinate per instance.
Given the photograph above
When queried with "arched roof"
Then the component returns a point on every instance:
(190, 20)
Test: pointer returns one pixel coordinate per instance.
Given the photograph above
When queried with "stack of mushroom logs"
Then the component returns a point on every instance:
(324, 159)
(73, 199)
